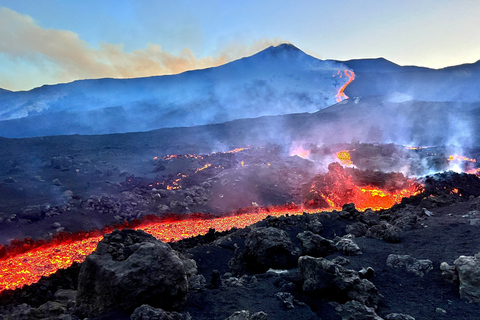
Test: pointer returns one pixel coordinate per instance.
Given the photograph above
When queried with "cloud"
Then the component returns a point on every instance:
(63, 57)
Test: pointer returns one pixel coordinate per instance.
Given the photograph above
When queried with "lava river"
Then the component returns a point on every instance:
(25, 262)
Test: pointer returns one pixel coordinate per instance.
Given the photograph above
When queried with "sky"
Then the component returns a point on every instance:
(58, 41)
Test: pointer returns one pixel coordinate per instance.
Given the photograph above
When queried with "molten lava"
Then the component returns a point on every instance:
(351, 76)
(348, 185)
(344, 157)
(22, 266)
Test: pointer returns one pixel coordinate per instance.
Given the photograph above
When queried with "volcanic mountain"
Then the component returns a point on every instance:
(278, 80)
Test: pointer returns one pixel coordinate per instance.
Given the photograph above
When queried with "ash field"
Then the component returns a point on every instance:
(285, 187)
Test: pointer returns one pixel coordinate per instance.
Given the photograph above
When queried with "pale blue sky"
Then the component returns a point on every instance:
(51, 41)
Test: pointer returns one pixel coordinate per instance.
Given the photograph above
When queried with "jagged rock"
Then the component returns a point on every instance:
(398, 316)
(315, 226)
(448, 272)
(354, 310)
(346, 245)
(269, 248)
(146, 312)
(416, 266)
(56, 182)
(239, 315)
(468, 269)
(33, 213)
(216, 280)
(315, 245)
(385, 231)
(245, 315)
(322, 276)
(286, 298)
(358, 229)
(130, 268)
(366, 273)
(370, 217)
(48, 310)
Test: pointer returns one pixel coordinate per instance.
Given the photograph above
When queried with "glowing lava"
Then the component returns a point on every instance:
(344, 157)
(351, 76)
(19, 267)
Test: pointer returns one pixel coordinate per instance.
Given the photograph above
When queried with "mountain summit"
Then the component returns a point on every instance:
(278, 80)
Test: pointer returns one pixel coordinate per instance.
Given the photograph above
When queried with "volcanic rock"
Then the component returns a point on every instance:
(146, 312)
(449, 273)
(398, 316)
(385, 231)
(416, 266)
(130, 268)
(347, 245)
(315, 245)
(324, 277)
(354, 310)
(245, 315)
(269, 248)
(468, 269)
(358, 229)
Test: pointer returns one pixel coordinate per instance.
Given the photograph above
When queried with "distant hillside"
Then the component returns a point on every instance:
(375, 77)
(278, 80)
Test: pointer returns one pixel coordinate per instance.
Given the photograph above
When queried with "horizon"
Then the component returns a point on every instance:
(56, 42)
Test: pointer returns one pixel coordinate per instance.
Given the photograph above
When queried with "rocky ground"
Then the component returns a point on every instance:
(416, 260)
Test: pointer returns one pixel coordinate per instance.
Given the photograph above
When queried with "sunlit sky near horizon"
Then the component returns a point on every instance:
(55, 41)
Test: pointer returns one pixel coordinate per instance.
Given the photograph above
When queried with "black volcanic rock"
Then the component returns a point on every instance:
(130, 268)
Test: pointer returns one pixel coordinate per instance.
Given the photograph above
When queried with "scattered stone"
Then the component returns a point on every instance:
(315, 226)
(440, 311)
(346, 245)
(358, 229)
(286, 298)
(130, 268)
(55, 225)
(412, 265)
(366, 273)
(448, 272)
(269, 248)
(240, 315)
(56, 182)
(322, 276)
(385, 231)
(341, 260)
(398, 316)
(146, 312)
(216, 280)
(468, 269)
(354, 310)
(315, 245)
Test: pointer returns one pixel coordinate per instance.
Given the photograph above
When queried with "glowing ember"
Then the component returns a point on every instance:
(344, 157)
(351, 76)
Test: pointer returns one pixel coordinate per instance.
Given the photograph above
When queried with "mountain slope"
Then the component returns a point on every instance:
(278, 80)
(375, 77)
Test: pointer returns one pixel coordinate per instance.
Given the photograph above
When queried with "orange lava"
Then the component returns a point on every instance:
(338, 187)
(351, 76)
(344, 157)
(461, 158)
(23, 268)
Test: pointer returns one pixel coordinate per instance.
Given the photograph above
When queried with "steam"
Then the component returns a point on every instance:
(61, 56)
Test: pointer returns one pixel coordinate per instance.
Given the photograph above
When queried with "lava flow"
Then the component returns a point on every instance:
(351, 76)
(20, 266)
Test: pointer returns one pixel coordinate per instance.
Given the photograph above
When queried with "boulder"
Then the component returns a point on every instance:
(354, 310)
(468, 269)
(315, 245)
(146, 312)
(324, 277)
(398, 316)
(269, 248)
(347, 245)
(245, 315)
(416, 266)
(130, 268)
(385, 231)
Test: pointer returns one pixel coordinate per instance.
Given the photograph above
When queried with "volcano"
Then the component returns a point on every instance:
(267, 172)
